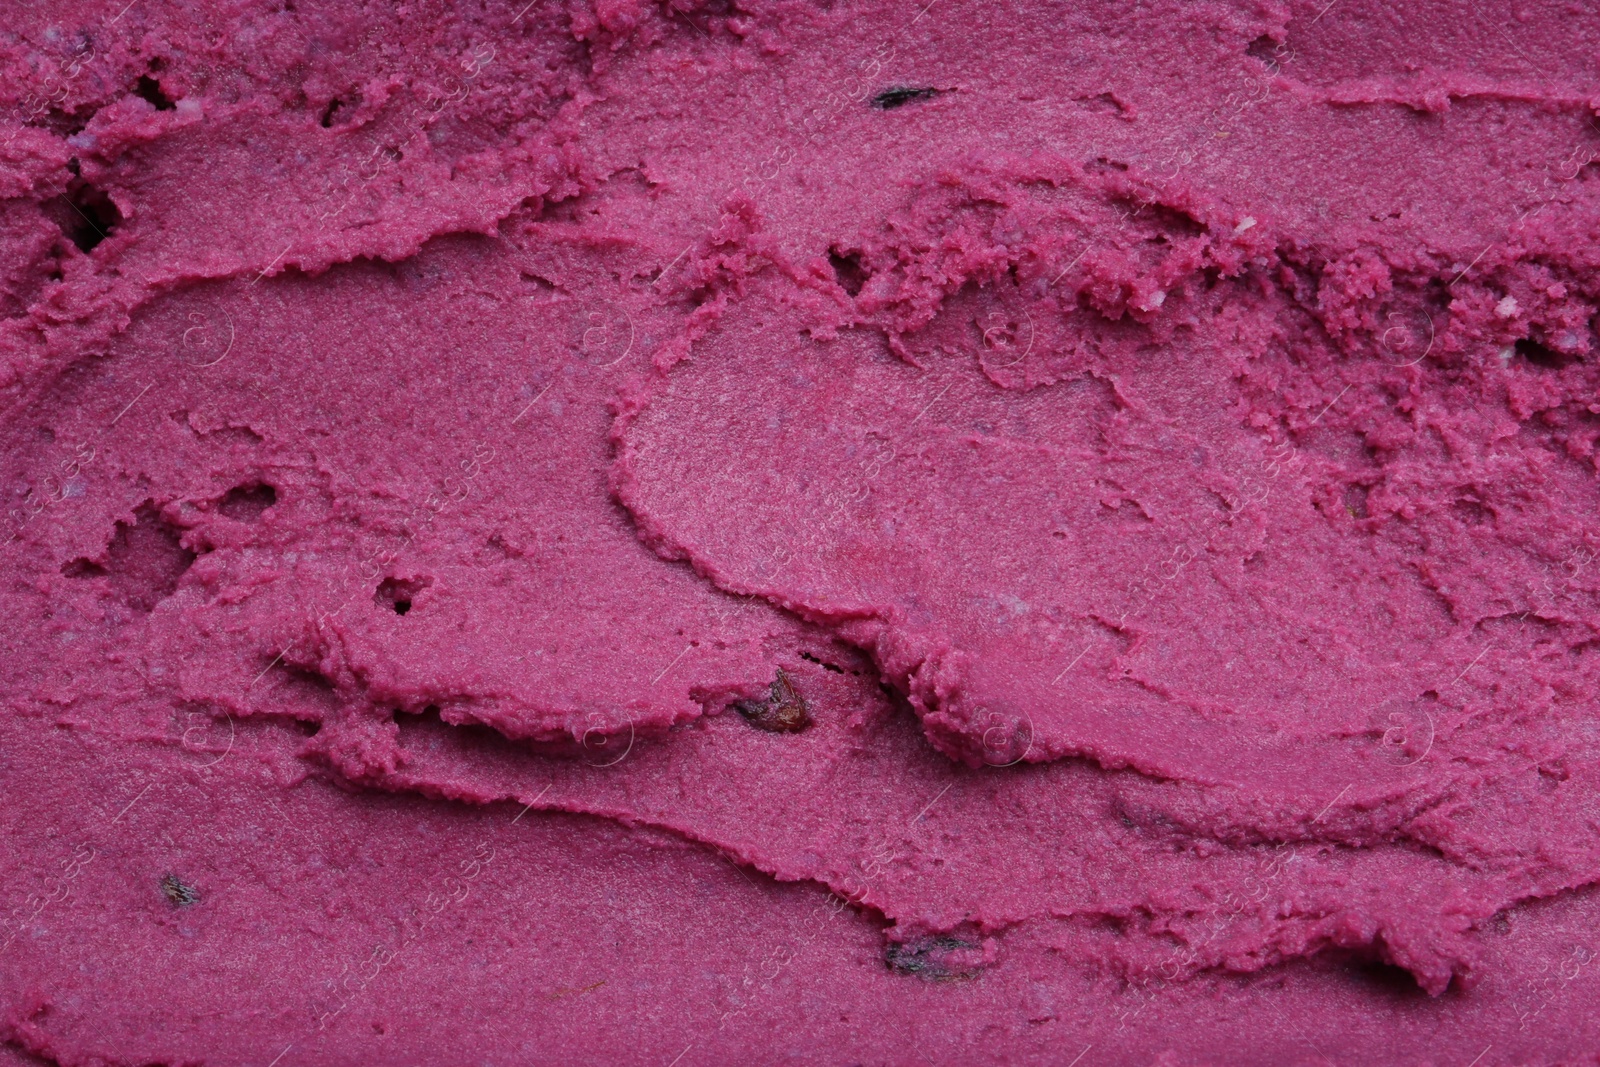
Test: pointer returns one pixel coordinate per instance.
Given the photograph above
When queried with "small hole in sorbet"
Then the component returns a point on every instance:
(1265, 49)
(1542, 356)
(150, 91)
(330, 114)
(848, 270)
(145, 560)
(83, 568)
(86, 215)
(809, 658)
(1385, 979)
(900, 96)
(245, 503)
(398, 594)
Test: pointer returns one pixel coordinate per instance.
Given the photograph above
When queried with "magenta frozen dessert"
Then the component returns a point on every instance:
(694, 533)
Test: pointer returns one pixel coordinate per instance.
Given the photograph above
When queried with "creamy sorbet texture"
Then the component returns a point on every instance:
(695, 532)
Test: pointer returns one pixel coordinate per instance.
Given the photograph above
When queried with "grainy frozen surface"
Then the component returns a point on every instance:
(813, 531)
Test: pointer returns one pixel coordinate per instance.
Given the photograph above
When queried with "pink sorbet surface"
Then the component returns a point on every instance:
(696, 532)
